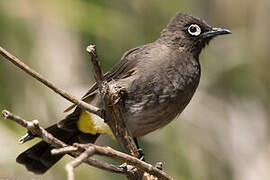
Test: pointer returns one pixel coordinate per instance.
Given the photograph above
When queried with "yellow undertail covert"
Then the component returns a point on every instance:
(92, 124)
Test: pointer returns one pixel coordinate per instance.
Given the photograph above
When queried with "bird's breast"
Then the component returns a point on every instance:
(155, 100)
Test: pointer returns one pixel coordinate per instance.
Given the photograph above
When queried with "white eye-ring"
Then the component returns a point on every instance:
(194, 30)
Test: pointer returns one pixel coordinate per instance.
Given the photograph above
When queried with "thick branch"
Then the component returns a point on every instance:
(49, 84)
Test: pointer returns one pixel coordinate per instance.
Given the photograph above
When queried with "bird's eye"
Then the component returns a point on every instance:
(194, 30)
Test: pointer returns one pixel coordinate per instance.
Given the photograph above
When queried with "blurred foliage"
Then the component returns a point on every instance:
(224, 132)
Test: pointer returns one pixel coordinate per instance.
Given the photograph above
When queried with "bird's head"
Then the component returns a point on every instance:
(190, 33)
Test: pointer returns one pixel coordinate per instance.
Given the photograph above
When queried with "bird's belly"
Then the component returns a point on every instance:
(148, 112)
(153, 102)
(144, 122)
(145, 117)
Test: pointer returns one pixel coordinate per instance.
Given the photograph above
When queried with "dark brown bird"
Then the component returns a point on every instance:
(160, 79)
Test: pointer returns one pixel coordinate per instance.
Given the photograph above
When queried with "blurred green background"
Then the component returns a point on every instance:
(223, 133)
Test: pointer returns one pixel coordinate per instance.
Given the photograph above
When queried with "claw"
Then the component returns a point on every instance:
(124, 165)
(141, 154)
(27, 137)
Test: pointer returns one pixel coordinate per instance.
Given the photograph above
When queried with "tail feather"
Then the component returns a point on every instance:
(38, 159)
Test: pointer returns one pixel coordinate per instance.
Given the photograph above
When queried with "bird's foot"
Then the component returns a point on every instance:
(141, 154)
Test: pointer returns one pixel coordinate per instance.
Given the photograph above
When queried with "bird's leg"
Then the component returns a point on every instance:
(141, 155)
(140, 151)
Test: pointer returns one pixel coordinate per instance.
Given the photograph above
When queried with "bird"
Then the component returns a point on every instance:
(159, 79)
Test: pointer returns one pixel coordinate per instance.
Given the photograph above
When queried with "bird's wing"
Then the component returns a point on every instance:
(124, 68)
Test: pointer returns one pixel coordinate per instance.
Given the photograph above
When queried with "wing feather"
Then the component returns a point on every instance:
(123, 69)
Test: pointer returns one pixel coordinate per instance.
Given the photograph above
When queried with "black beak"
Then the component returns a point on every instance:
(216, 31)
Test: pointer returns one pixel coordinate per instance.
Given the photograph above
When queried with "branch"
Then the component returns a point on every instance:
(91, 149)
(131, 160)
(82, 152)
(49, 84)
(114, 117)
(76, 162)
(99, 77)
(35, 130)
(113, 105)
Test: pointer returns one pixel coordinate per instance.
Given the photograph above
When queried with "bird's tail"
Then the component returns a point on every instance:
(38, 159)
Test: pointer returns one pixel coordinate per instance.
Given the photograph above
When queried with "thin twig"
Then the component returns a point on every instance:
(91, 49)
(35, 129)
(64, 150)
(77, 161)
(49, 84)
(105, 166)
(109, 152)
(155, 171)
